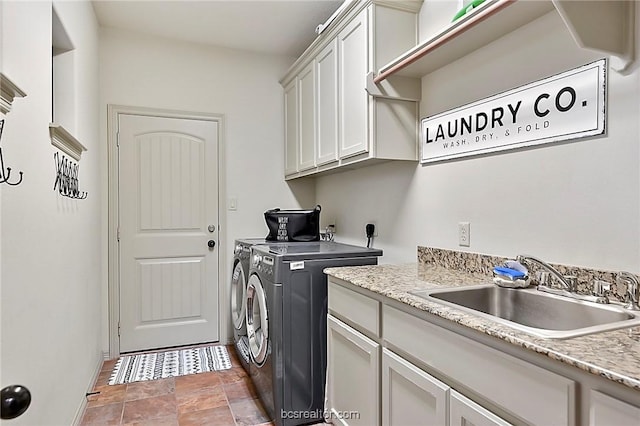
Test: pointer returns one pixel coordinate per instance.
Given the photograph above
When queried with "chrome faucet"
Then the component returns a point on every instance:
(568, 283)
(632, 293)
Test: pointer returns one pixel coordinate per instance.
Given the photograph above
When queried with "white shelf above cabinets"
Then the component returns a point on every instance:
(604, 26)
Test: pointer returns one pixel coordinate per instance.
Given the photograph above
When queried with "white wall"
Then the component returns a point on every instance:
(51, 273)
(138, 70)
(576, 203)
(2, 383)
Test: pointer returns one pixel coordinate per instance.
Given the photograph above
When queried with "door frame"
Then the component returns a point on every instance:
(113, 197)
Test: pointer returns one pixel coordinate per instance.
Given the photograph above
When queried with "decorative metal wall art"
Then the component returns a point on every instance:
(5, 173)
(67, 177)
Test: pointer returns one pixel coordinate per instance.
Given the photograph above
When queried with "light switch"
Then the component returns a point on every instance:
(233, 203)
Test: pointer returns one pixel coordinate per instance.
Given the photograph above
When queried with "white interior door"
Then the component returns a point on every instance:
(168, 186)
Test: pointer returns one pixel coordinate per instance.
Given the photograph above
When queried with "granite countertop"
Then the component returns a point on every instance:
(614, 355)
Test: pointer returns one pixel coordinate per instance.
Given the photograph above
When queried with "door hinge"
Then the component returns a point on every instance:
(118, 328)
(118, 233)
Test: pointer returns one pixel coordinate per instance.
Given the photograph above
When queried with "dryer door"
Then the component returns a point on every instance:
(238, 296)
(257, 324)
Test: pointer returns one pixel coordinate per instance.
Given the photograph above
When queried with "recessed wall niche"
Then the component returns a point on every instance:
(63, 112)
(63, 93)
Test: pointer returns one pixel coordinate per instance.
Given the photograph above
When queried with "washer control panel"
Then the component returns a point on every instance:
(242, 251)
(262, 263)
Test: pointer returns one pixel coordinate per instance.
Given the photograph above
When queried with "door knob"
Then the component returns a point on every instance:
(15, 401)
(211, 243)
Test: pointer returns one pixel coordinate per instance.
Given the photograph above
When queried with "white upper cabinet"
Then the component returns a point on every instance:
(291, 128)
(306, 145)
(352, 45)
(351, 127)
(327, 104)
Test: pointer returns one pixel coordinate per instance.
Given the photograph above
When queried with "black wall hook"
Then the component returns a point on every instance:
(5, 173)
(67, 178)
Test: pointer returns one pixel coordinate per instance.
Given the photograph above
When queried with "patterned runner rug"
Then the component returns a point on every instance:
(159, 365)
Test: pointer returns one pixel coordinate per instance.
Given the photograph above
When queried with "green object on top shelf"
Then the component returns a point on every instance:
(468, 8)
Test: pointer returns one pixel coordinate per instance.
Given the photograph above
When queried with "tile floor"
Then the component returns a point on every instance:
(217, 398)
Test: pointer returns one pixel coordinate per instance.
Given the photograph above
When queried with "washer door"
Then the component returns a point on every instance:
(238, 296)
(257, 325)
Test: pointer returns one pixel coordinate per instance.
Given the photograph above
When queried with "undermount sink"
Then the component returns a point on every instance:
(541, 314)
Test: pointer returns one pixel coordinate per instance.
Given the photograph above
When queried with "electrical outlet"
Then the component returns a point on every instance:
(328, 230)
(332, 222)
(464, 234)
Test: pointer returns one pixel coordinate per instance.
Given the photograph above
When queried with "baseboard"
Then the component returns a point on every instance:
(77, 419)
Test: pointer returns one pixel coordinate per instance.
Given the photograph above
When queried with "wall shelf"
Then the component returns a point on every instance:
(603, 26)
(65, 142)
(8, 92)
(606, 27)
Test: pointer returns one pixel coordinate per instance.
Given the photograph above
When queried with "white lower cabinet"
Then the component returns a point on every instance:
(465, 412)
(515, 386)
(353, 383)
(371, 385)
(383, 358)
(410, 396)
(606, 411)
(413, 397)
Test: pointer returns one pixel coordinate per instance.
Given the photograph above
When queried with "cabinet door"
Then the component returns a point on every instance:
(352, 376)
(508, 382)
(291, 128)
(464, 412)
(410, 396)
(605, 411)
(327, 104)
(307, 142)
(353, 66)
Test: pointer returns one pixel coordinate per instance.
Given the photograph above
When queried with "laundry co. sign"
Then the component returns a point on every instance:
(566, 106)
